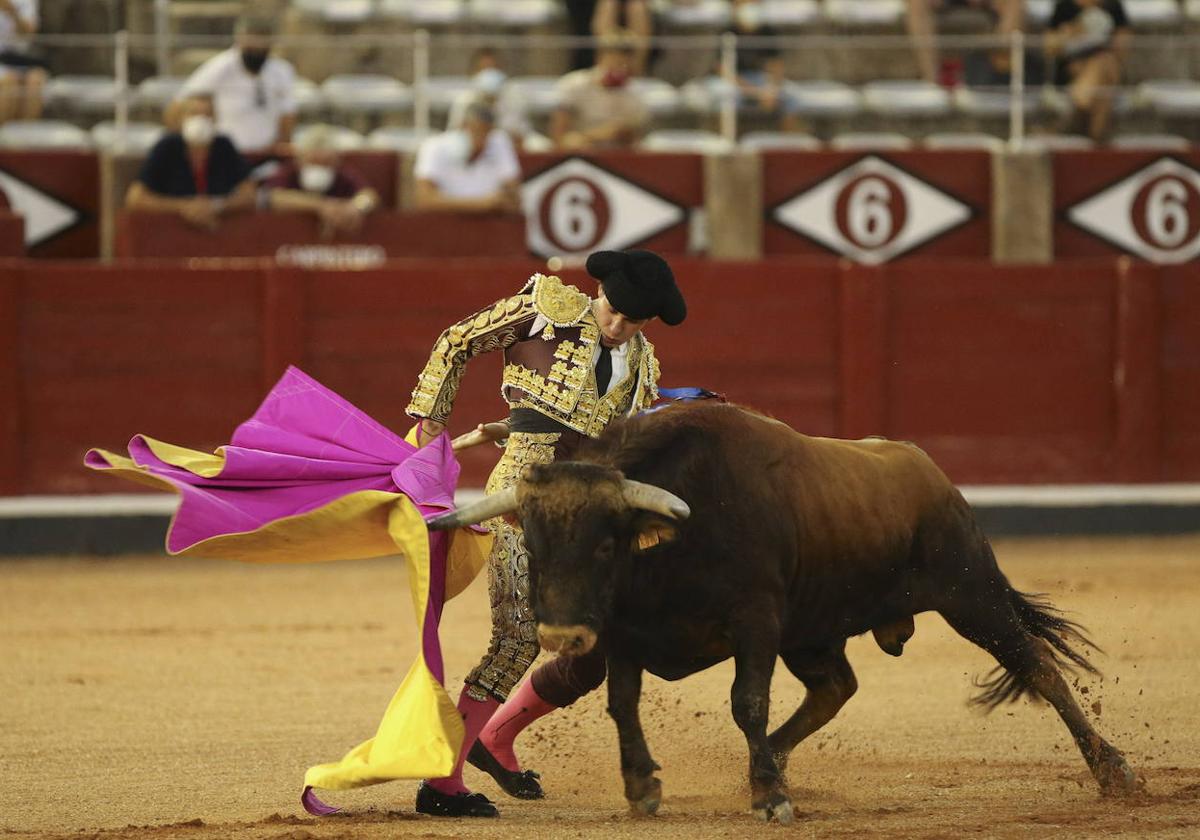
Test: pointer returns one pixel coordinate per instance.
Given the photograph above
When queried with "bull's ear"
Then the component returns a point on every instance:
(651, 530)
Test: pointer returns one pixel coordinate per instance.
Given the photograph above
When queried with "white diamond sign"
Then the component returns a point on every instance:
(576, 207)
(1153, 213)
(872, 211)
(44, 214)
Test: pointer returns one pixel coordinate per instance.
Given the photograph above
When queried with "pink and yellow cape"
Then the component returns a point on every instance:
(308, 478)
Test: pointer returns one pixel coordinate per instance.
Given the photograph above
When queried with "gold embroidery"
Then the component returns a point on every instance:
(561, 304)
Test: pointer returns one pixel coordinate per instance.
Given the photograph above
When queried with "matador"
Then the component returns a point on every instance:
(572, 364)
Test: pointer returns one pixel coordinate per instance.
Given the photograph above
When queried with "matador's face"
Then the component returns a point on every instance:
(615, 328)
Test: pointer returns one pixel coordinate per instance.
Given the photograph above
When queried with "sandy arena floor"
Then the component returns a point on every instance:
(161, 698)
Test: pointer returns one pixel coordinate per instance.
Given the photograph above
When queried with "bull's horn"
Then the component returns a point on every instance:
(497, 504)
(655, 499)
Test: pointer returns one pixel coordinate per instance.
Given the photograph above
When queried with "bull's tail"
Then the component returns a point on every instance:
(1041, 619)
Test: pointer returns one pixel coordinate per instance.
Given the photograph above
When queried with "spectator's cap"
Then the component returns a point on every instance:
(618, 40)
(639, 285)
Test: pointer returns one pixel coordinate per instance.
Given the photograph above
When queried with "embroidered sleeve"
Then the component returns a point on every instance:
(648, 373)
(494, 328)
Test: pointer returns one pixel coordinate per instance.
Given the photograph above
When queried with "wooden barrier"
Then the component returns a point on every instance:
(12, 234)
(297, 237)
(1076, 373)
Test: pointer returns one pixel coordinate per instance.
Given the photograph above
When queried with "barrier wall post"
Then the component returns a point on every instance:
(863, 344)
(282, 322)
(1022, 207)
(12, 472)
(1137, 373)
(732, 195)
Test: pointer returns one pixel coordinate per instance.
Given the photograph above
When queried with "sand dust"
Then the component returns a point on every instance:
(163, 698)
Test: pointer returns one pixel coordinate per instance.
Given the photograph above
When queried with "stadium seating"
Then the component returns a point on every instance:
(1058, 143)
(393, 138)
(791, 14)
(1151, 142)
(516, 14)
(906, 99)
(825, 99)
(763, 141)
(43, 134)
(1171, 97)
(437, 13)
(701, 14)
(661, 98)
(539, 93)
(344, 139)
(863, 141)
(682, 140)
(157, 91)
(959, 140)
(82, 94)
(139, 136)
(865, 13)
(365, 93)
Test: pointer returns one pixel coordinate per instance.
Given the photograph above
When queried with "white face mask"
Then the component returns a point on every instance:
(316, 178)
(489, 80)
(749, 15)
(198, 130)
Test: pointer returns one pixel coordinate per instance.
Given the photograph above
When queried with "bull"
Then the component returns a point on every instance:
(684, 537)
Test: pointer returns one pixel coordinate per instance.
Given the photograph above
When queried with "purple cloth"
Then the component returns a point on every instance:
(304, 447)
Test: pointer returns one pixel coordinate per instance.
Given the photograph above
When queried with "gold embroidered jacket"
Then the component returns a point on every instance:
(551, 372)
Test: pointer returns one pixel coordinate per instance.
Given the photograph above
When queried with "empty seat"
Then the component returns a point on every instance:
(790, 14)
(539, 94)
(338, 11)
(43, 134)
(701, 14)
(685, 140)
(425, 12)
(1152, 142)
(1059, 143)
(308, 96)
(1038, 12)
(158, 91)
(359, 93)
(139, 136)
(1192, 7)
(660, 97)
(856, 141)
(824, 99)
(906, 98)
(86, 94)
(1171, 97)
(865, 13)
(1150, 14)
(344, 139)
(963, 140)
(515, 13)
(984, 102)
(763, 141)
(394, 138)
(443, 90)
(704, 96)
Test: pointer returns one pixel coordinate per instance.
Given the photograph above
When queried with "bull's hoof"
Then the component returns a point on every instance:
(1117, 778)
(645, 801)
(776, 807)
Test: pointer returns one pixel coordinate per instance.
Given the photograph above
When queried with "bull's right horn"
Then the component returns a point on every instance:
(497, 504)
(644, 496)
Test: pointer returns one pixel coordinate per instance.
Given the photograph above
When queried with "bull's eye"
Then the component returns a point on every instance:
(604, 551)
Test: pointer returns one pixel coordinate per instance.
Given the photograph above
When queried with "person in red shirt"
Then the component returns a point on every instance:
(193, 172)
(317, 182)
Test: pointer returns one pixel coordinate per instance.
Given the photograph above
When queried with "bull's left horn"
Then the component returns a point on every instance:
(655, 499)
(497, 504)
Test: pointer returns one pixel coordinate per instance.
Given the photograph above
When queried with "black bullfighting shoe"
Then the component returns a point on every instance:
(522, 785)
(438, 804)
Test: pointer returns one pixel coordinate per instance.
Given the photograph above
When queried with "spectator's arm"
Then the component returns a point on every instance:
(287, 124)
(140, 197)
(365, 201)
(22, 25)
(429, 197)
(1121, 41)
(243, 197)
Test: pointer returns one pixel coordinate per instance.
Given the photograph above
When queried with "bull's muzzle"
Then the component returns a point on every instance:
(572, 640)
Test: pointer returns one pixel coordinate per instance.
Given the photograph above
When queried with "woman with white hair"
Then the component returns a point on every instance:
(317, 182)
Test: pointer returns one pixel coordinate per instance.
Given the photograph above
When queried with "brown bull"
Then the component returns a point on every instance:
(698, 533)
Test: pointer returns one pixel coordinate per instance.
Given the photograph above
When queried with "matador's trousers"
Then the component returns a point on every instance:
(514, 643)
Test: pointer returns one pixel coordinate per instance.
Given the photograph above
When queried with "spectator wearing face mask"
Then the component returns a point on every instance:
(251, 89)
(597, 109)
(487, 88)
(472, 170)
(195, 172)
(317, 182)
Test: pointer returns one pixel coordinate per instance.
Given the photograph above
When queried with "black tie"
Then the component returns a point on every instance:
(603, 371)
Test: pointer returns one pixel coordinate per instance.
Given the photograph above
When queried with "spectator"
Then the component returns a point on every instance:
(317, 182)
(1008, 14)
(597, 108)
(1089, 40)
(759, 71)
(472, 170)
(252, 90)
(602, 18)
(488, 78)
(195, 172)
(22, 77)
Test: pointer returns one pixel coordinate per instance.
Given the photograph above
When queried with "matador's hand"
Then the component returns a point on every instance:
(483, 433)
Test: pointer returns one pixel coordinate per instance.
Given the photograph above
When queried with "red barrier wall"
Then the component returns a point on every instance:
(58, 192)
(1085, 372)
(12, 234)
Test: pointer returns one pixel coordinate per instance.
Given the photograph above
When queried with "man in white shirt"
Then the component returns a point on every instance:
(21, 78)
(472, 170)
(251, 90)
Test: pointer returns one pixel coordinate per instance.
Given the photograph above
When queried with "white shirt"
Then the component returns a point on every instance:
(509, 108)
(619, 354)
(248, 107)
(27, 10)
(443, 160)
